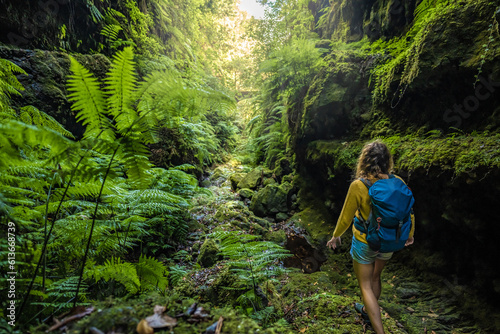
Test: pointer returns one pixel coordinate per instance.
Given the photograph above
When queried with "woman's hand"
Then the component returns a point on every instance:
(409, 241)
(334, 242)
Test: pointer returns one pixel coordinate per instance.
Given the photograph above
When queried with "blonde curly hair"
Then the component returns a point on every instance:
(375, 159)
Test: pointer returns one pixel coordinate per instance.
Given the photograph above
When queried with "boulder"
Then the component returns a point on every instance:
(271, 200)
(208, 254)
(235, 179)
(252, 179)
(246, 193)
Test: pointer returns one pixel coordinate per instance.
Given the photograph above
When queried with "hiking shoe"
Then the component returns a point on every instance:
(359, 308)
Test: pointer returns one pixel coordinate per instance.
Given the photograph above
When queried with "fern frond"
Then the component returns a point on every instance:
(14, 134)
(421, 9)
(111, 31)
(121, 85)
(88, 100)
(114, 269)
(134, 155)
(94, 12)
(31, 115)
(151, 273)
(177, 272)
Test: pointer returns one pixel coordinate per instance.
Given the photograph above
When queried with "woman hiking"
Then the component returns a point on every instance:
(374, 164)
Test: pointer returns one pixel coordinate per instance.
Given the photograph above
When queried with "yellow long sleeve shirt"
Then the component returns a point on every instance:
(357, 202)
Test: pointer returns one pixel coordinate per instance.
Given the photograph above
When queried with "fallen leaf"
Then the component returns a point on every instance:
(303, 330)
(159, 309)
(144, 328)
(161, 321)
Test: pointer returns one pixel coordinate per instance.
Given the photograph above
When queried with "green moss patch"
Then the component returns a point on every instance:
(460, 153)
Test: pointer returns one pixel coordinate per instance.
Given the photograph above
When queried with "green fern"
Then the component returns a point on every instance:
(31, 115)
(177, 273)
(111, 31)
(120, 88)
(152, 273)
(421, 10)
(114, 269)
(253, 261)
(89, 101)
(94, 12)
(9, 85)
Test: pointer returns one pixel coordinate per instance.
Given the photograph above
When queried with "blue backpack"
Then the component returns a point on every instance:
(389, 223)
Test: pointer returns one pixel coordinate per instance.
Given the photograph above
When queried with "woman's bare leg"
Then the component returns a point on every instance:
(364, 274)
(377, 271)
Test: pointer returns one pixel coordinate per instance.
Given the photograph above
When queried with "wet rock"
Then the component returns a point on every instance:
(278, 237)
(283, 168)
(218, 174)
(205, 183)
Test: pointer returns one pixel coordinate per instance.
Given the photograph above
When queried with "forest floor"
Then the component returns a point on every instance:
(311, 297)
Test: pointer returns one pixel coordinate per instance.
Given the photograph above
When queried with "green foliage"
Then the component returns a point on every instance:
(291, 68)
(254, 262)
(114, 269)
(147, 274)
(8, 86)
(177, 273)
(31, 115)
(486, 47)
(286, 75)
(406, 50)
(95, 200)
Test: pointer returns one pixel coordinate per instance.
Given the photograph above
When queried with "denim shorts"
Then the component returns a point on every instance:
(362, 253)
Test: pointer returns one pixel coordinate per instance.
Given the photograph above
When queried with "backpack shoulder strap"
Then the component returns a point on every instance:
(366, 182)
(364, 222)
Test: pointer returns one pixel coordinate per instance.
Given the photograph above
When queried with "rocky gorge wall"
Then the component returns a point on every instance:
(435, 99)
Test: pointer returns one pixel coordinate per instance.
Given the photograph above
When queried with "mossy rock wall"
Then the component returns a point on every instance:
(435, 99)
(446, 76)
(45, 81)
(444, 93)
(351, 20)
(337, 99)
(455, 191)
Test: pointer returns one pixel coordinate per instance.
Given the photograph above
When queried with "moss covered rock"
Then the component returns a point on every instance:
(45, 82)
(208, 254)
(252, 179)
(246, 193)
(235, 178)
(268, 180)
(271, 200)
(278, 237)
